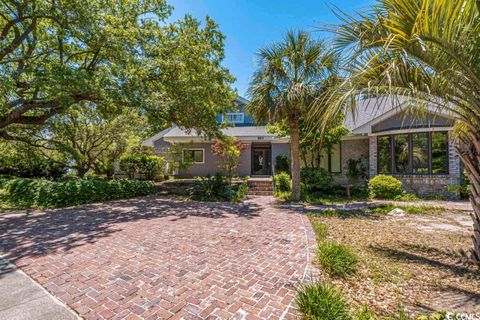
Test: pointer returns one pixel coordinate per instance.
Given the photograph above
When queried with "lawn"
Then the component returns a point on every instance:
(409, 262)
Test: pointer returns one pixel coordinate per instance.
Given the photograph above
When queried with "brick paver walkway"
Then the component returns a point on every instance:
(154, 258)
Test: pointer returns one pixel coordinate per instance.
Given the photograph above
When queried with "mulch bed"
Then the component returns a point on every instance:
(412, 262)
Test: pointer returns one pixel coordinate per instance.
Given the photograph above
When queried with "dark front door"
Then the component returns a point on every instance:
(261, 161)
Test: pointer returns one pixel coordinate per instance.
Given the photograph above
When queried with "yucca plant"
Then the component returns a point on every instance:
(427, 52)
(290, 74)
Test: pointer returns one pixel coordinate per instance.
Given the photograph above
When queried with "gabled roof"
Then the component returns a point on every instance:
(372, 111)
(150, 141)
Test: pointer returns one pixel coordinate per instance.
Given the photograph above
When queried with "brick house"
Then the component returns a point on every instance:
(385, 135)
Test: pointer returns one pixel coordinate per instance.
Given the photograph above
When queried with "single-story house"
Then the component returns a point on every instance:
(387, 137)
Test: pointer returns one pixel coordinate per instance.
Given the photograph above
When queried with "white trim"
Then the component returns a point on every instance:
(194, 149)
(390, 132)
(242, 114)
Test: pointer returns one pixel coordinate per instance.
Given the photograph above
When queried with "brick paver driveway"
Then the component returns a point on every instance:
(154, 258)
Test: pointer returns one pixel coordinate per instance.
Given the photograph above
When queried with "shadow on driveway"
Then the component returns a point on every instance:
(31, 233)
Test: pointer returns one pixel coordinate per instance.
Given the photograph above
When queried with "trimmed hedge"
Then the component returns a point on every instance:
(384, 187)
(50, 194)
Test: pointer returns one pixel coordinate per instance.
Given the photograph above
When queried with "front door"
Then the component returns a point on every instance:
(261, 161)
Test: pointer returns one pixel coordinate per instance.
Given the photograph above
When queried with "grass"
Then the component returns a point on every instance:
(337, 259)
(322, 302)
(381, 209)
(321, 230)
(386, 208)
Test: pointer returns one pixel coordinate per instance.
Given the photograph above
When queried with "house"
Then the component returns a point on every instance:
(385, 135)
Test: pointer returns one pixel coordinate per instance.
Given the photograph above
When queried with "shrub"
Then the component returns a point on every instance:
(319, 301)
(384, 187)
(151, 166)
(283, 182)
(49, 194)
(217, 188)
(337, 259)
(282, 164)
(316, 180)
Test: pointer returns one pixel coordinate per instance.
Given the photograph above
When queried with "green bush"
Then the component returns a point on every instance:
(282, 164)
(384, 187)
(217, 188)
(283, 183)
(150, 166)
(50, 194)
(321, 302)
(316, 180)
(337, 259)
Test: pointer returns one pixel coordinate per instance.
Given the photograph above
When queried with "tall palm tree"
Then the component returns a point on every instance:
(427, 51)
(290, 75)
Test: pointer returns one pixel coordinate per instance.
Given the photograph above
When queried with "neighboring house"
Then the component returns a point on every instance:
(388, 139)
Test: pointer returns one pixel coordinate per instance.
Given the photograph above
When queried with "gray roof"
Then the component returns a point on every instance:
(367, 110)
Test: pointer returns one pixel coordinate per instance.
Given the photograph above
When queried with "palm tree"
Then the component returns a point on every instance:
(290, 75)
(427, 51)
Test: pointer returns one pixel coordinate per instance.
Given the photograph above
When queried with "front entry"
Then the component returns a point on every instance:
(261, 159)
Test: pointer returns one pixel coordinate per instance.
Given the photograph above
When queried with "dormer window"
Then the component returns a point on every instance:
(234, 117)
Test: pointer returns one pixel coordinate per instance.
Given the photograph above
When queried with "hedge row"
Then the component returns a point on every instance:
(49, 194)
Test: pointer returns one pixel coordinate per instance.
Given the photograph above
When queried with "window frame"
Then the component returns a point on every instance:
(242, 114)
(194, 149)
(410, 154)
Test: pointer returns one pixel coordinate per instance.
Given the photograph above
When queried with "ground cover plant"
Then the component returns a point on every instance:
(336, 259)
(217, 188)
(318, 301)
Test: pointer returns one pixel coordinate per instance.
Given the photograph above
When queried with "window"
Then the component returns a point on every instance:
(233, 117)
(439, 153)
(331, 162)
(420, 153)
(401, 153)
(193, 155)
(413, 153)
(384, 154)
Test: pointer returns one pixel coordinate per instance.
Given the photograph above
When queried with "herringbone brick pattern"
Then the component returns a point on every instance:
(154, 258)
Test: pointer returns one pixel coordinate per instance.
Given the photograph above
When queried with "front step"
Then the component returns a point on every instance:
(260, 187)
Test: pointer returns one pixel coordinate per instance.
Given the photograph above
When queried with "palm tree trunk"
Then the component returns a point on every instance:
(295, 149)
(469, 151)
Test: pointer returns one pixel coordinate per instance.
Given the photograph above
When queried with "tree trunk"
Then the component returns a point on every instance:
(469, 151)
(295, 149)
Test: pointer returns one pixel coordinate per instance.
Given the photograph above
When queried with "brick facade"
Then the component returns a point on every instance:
(352, 149)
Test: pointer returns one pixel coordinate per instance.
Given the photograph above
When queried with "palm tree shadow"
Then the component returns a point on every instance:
(431, 257)
(28, 234)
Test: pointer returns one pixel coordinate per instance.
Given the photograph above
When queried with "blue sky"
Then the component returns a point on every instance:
(252, 24)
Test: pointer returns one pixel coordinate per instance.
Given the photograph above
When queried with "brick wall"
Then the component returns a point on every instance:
(352, 149)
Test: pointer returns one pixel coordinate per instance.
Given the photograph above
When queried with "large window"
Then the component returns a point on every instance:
(413, 153)
(193, 155)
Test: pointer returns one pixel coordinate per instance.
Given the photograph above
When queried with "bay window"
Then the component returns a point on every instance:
(413, 153)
